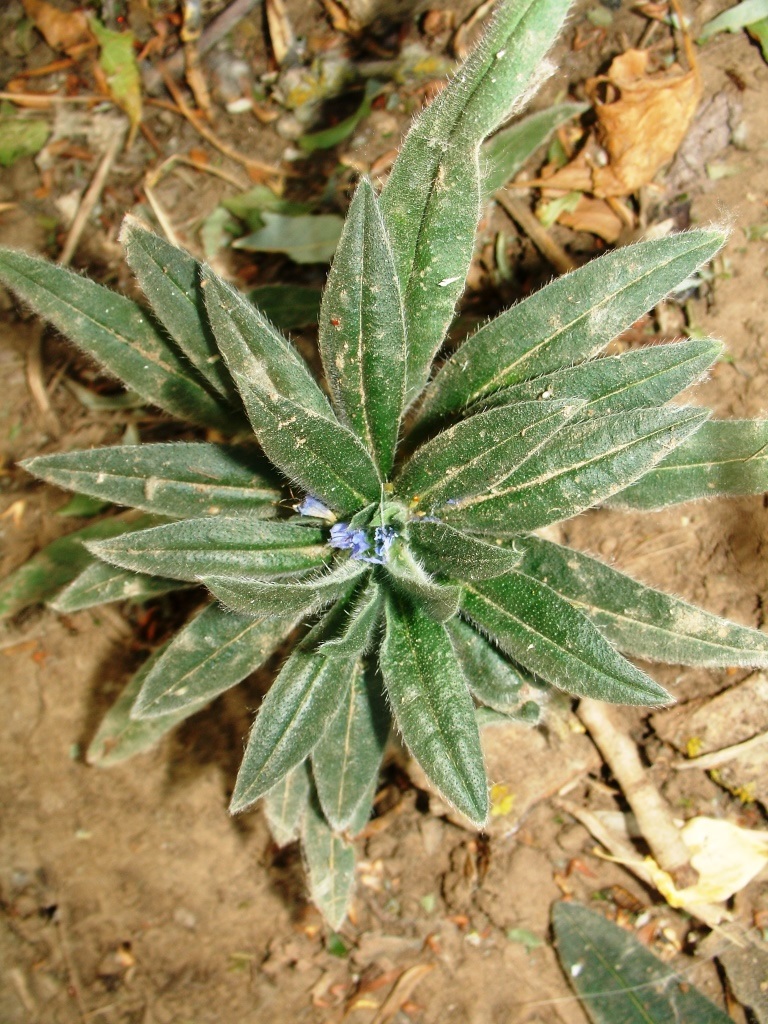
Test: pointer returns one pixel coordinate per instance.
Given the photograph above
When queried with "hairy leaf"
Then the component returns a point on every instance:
(263, 597)
(449, 552)
(492, 678)
(545, 634)
(221, 546)
(439, 600)
(358, 630)
(289, 413)
(286, 804)
(181, 480)
(639, 620)
(640, 378)
(722, 457)
(212, 653)
(170, 279)
(117, 333)
(362, 331)
(430, 701)
(431, 202)
(331, 865)
(346, 759)
(570, 320)
(585, 464)
(477, 454)
(101, 583)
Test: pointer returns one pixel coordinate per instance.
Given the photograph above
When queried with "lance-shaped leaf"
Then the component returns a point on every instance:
(430, 701)
(286, 804)
(120, 737)
(587, 463)
(300, 704)
(101, 583)
(545, 634)
(505, 154)
(58, 564)
(211, 654)
(431, 202)
(256, 596)
(170, 479)
(289, 413)
(639, 620)
(618, 979)
(330, 863)
(346, 760)
(117, 333)
(358, 629)
(362, 331)
(722, 457)
(449, 552)
(491, 677)
(222, 546)
(170, 279)
(645, 377)
(570, 320)
(439, 600)
(479, 453)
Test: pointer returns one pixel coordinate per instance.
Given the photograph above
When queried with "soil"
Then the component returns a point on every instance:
(130, 895)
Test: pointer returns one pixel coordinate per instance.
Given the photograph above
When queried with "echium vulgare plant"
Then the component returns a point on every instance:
(408, 569)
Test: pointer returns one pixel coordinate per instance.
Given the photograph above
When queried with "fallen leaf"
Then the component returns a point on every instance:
(62, 30)
(735, 18)
(306, 239)
(118, 62)
(595, 216)
(20, 137)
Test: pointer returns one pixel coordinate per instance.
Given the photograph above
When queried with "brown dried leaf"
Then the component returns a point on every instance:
(595, 216)
(62, 30)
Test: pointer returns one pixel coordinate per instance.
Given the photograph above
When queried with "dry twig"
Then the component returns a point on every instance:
(91, 197)
(537, 233)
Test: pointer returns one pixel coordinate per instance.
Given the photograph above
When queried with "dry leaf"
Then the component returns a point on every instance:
(641, 121)
(62, 30)
(595, 216)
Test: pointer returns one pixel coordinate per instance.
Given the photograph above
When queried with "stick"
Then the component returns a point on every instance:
(90, 198)
(651, 810)
(722, 756)
(540, 237)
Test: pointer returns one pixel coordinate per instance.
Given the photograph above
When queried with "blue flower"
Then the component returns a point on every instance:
(354, 539)
(316, 509)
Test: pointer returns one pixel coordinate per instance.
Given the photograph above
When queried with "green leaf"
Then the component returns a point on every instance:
(290, 415)
(81, 506)
(327, 138)
(170, 279)
(645, 377)
(256, 596)
(637, 619)
(361, 622)
(101, 584)
(431, 202)
(169, 479)
(491, 677)
(478, 454)
(57, 564)
(228, 547)
(331, 866)
(430, 701)
(586, 463)
(288, 306)
(570, 320)
(722, 457)
(250, 205)
(618, 979)
(20, 136)
(548, 636)
(118, 62)
(117, 333)
(758, 30)
(737, 17)
(449, 552)
(362, 331)
(212, 653)
(305, 238)
(346, 759)
(286, 804)
(440, 601)
(505, 154)
(120, 737)
(299, 706)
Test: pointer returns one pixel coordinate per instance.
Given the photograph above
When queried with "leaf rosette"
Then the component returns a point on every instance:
(409, 581)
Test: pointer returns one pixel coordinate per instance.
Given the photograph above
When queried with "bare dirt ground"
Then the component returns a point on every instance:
(130, 895)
